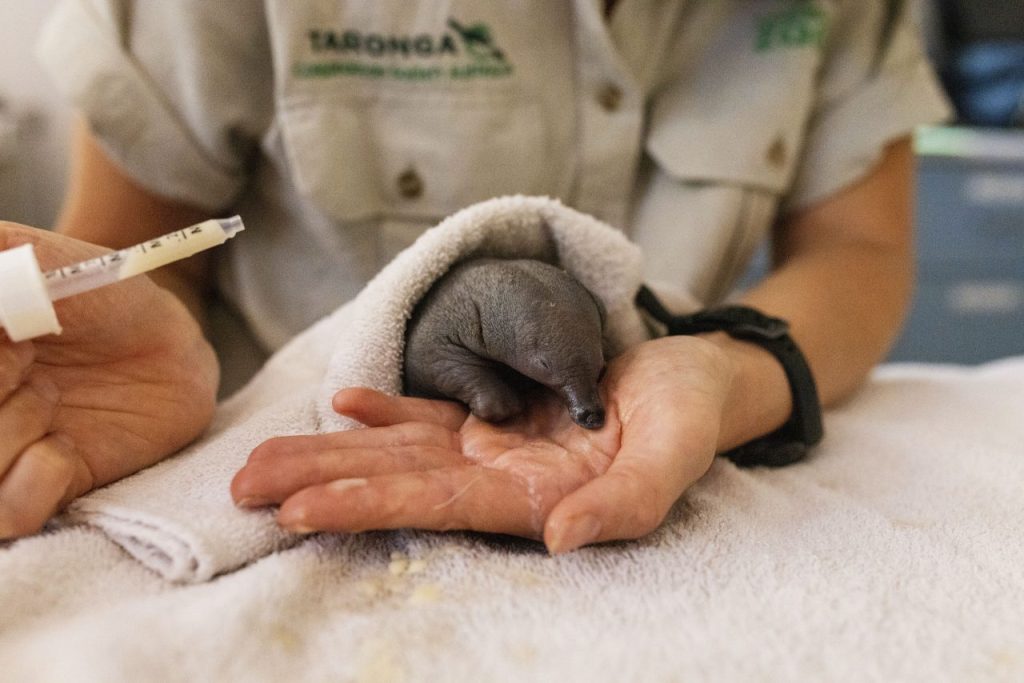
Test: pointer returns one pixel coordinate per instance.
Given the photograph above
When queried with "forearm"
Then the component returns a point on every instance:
(843, 282)
(845, 305)
(844, 309)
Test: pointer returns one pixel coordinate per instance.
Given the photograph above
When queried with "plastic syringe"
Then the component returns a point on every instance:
(26, 293)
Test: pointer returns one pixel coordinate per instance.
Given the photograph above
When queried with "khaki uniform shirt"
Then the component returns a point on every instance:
(341, 129)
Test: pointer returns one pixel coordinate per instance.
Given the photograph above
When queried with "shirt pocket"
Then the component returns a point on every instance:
(718, 162)
(413, 157)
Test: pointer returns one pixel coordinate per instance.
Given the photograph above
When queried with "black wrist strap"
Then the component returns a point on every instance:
(803, 429)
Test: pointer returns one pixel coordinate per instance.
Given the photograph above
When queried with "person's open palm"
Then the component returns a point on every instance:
(429, 464)
(129, 381)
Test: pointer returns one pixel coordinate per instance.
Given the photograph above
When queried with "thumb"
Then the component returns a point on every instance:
(661, 456)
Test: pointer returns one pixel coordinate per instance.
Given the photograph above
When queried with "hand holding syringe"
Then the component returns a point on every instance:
(26, 293)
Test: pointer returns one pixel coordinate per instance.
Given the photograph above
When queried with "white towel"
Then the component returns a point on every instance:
(178, 518)
(893, 553)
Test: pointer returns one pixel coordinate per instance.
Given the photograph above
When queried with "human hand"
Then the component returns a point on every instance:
(129, 381)
(430, 465)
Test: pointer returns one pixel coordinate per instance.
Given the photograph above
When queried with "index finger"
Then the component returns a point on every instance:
(663, 453)
(376, 409)
(462, 497)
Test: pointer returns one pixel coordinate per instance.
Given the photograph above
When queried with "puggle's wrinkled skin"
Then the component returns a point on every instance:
(489, 322)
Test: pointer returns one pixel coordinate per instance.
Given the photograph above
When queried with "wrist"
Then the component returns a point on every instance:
(754, 400)
(759, 399)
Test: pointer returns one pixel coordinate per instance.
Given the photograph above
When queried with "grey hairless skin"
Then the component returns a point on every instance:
(489, 322)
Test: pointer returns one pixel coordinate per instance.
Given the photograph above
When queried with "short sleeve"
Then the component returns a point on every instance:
(178, 93)
(875, 86)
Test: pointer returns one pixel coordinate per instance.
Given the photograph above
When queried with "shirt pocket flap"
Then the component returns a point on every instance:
(412, 157)
(747, 133)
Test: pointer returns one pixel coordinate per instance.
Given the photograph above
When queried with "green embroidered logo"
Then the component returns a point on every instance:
(477, 41)
(459, 53)
(801, 25)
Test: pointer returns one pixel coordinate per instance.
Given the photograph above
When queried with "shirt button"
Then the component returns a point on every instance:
(410, 185)
(610, 97)
(777, 153)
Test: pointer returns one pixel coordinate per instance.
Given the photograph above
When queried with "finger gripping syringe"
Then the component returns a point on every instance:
(27, 294)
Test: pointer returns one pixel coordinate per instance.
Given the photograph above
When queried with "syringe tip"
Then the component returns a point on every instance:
(231, 226)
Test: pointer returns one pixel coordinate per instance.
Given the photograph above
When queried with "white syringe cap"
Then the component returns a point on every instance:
(25, 308)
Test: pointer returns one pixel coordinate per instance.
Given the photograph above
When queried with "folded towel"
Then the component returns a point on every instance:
(178, 517)
(602, 259)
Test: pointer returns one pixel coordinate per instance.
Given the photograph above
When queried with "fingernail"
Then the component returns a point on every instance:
(293, 519)
(581, 531)
(340, 485)
(296, 527)
(253, 502)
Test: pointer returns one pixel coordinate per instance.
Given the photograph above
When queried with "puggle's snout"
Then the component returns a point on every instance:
(588, 418)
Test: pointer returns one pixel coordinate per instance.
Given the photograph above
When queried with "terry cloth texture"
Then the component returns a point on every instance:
(178, 519)
(894, 553)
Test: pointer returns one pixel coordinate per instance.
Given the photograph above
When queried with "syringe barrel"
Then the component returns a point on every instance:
(141, 258)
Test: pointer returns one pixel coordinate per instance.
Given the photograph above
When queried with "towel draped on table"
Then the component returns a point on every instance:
(894, 553)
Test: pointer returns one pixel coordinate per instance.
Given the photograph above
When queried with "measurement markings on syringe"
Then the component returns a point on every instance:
(107, 260)
(93, 264)
(140, 258)
(99, 271)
